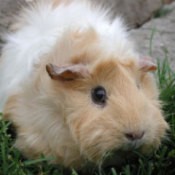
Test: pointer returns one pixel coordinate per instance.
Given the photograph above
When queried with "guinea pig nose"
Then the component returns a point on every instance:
(134, 135)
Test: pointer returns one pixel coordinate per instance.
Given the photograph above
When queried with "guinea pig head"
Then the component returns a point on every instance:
(111, 106)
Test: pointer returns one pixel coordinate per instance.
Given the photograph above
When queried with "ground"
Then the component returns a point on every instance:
(160, 32)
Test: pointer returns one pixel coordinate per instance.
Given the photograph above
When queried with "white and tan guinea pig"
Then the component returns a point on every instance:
(74, 87)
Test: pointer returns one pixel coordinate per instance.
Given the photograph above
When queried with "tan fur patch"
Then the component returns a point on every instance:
(10, 105)
(56, 3)
(84, 37)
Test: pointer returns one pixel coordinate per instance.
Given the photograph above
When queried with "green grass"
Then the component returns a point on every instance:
(159, 163)
(162, 12)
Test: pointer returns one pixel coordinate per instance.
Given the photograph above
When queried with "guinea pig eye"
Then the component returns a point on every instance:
(98, 95)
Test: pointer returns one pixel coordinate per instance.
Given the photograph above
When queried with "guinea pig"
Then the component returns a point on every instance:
(75, 87)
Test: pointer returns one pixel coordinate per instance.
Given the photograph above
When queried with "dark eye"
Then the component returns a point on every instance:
(99, 95)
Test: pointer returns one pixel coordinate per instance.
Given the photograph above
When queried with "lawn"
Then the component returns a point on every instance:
(161, 162)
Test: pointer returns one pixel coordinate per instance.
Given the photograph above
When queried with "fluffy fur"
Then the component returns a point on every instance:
(53, 110)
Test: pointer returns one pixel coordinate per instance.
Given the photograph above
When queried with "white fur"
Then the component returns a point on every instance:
(44, 26)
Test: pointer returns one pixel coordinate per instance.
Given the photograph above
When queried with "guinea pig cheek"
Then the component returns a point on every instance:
(96, 135)
(155, 127)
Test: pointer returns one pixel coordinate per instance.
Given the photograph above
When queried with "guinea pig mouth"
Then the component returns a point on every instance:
(127, 153)
(119, 158)
(133, 145)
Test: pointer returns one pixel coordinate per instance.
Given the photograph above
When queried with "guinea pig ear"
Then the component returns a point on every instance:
(67, 73)
(146, 64)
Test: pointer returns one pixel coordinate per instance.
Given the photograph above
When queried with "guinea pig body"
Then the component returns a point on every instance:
(74, 86)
